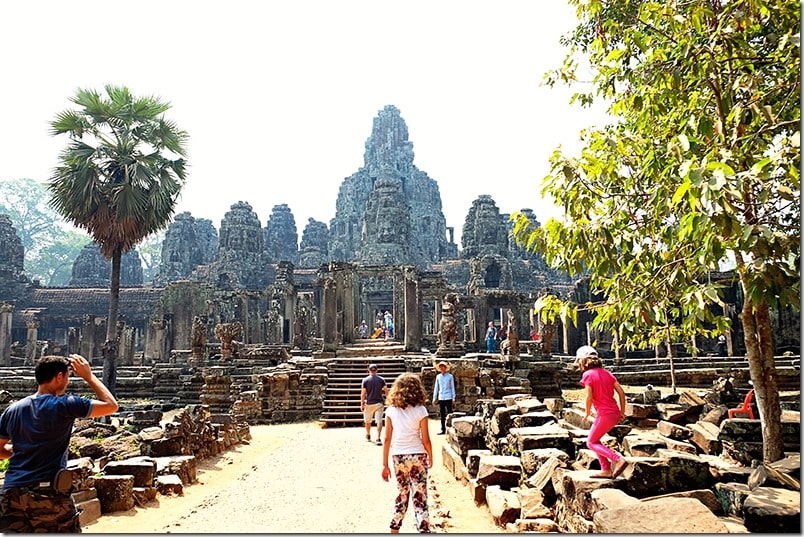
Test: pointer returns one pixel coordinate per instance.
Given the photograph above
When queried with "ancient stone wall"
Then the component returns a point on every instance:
(188, 243)
(91, 269)
(281, 238)
(314, 250)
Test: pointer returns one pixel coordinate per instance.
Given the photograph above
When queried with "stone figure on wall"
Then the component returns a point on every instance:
(448, 325)
(273, 328)
(199, 339)
(226, 333)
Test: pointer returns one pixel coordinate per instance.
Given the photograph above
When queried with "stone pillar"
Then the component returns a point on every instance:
(127, 346)
(329, 320)
(88, 337)
(346, 291)
(5, 333)
(30, 342)
(513, 334)
(413, 311)
(158, 344)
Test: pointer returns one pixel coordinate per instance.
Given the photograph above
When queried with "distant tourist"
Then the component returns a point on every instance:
(363, 330)
(600, 386)
(407, 441)
(721, 345)
(444, 393)
(491, 334)
(35, 434)
(389, 325)
(372, 400)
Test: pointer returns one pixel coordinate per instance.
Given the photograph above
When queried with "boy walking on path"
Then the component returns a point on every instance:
(444, 393)
(372, 400)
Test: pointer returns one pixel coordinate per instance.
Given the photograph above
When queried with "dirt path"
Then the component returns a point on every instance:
(300, 478)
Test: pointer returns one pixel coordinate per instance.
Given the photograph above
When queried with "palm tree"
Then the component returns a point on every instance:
(118, 178)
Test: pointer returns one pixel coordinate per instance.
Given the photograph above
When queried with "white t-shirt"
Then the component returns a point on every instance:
(406, 437)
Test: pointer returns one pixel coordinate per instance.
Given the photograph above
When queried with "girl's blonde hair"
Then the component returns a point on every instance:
(407, 390)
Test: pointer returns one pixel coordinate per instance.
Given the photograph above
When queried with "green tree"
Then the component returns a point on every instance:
(150, 251)
(25, 201)
(699, 167)
(54, 263)
(118, 178)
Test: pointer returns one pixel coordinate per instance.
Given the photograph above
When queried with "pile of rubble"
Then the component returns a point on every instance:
(689, 467)
(116, 467)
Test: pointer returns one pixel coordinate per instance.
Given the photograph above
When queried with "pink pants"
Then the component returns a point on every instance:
(603, 423)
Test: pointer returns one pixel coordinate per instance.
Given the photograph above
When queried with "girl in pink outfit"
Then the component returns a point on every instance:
(600, 386)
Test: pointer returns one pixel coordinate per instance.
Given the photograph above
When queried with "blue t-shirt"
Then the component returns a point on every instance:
(39, 429)
(374, 385)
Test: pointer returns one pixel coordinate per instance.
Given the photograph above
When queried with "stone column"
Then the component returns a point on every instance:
(5, 333)
(329, 320)
(346, 290)
(158, 344)
(88, 337)
(413, 311)
(30, 342)
(513, 334)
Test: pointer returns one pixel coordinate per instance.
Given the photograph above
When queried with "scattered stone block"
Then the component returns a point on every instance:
(542, 480)
(672, 412)
(705, 436)
(478, 492)
(169, 484)
(142, 469)
(469, 426)
(115, 492)
(731, 497)
(144, 495)
(642, 446)
(502, 421)
(773, 510)
(610, 499)
(532, 459)
(545, 436)
(473, 460)
(554, 405)
(682, 446)
(576, 490)
(532, 525)
(503, 505)
(638, 411)
(448, 457)
(88, 511)
(668, 515)
(705, 496)
(531, 404)
(531, 502)
(504, 471)
(673, 430)
(533, 419)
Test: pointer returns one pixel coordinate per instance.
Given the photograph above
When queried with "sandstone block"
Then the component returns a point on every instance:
(534, 419)
(143, 470)
(532, 459)
(705, 436)
(503, 505)
(473, 460)
(682, 446)
(144, 495)
(169, 484)
(773, 510)
(638, 411)
(533, 525)
(673, 431)
(610, 499)
(530, 404)
(705, 496)
(115, 492)
(89, 511)
(531, 502)
(731, 497)
(500, 470)
(478, 492)
(642, 446)
(660, 516)
(469, 426)
(577, 488)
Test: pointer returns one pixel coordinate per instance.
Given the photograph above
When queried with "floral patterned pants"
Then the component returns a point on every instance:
(411, 479)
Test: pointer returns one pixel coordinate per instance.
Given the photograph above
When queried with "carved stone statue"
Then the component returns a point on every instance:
(448, 326)
(226, 333)
(199, 339)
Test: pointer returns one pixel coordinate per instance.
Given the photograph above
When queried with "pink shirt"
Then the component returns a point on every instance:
(602, 383)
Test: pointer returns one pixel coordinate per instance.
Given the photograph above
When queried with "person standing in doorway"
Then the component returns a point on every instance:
(35, 435)
(600, 386)
(372, 401)
(444, 393)
(491, 333)
(407, 441)
(389, 325)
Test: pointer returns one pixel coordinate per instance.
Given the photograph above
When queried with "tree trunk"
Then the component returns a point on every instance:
(672, 360)
(110, 346)
(759, 349)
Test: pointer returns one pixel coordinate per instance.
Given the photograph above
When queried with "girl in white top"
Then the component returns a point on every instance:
(407, 441)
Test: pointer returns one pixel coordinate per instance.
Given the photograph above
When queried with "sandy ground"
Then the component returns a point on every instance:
(300, 478)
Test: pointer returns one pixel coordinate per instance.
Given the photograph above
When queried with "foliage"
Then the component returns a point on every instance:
(150, 251)
(699, 167)
(3, 465)
(118, 178)
(54, 263)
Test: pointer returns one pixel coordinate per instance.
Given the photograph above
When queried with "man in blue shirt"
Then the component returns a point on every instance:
(372, 401)
(35, 436)
(444, 393)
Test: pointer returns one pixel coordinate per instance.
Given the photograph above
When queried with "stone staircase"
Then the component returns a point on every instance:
(345, 375)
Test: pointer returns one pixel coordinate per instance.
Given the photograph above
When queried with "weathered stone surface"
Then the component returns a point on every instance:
(642, 446)
(530, 404)
(773, 510)
(659, 516)
(469, 426)
(281, 237)
(574, 490)
(144, 495)
(610, 499)
(705, 496)
(503, 505)
(477, 491)
(169, 484)
(188, 243)
(501, 470)
(531, 502)
(473, 460)
(142, 470)
(731, 497)
(89, 511)
(532, 525)
(115, 492)
(91, 269)
(683, 447)
(545, 436)
(673, 431)
(533, 459)
(314, 250)
(705, 436)
(502, 421)
(533, 419)
(640, 411)
(543, 478)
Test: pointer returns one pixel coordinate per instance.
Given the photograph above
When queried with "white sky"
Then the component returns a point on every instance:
(279, 97)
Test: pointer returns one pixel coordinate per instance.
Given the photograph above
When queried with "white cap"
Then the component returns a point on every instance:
(586, 350)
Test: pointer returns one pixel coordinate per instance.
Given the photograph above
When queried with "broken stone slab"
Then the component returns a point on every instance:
(734, 524)
(638, 411)
(504, 471)
(473, 460)
(534, 419)
(731, 497)
(705, 496)
(555, 405)
(512, 400)
(673, 412)
(532, 525)
(115, 492)
(705, 436)
(169, 484)
(503, 505)
(463, 444)
(686, 471)
(530, 404)
(144, 495)
(142, 469)
(668, 515)
(576, 490)
(585, 459)
(640, 445)
(532, 504)
(448, 458)
(773, 510)
(742, 429)
(673, 431)
(468, 427)
(544, 436)
(725, 471)
(89, 511)
(574, 416)
(477, 491)
(606, 498)
(682, 446)
(532, 459)
(502, 420)
(542, 480)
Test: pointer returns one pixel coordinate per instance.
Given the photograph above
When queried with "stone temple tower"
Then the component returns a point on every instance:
(387, 185)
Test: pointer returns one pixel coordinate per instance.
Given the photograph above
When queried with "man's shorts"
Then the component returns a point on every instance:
(373, 411)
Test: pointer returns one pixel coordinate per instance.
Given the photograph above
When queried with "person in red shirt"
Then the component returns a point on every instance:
(600, 386)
